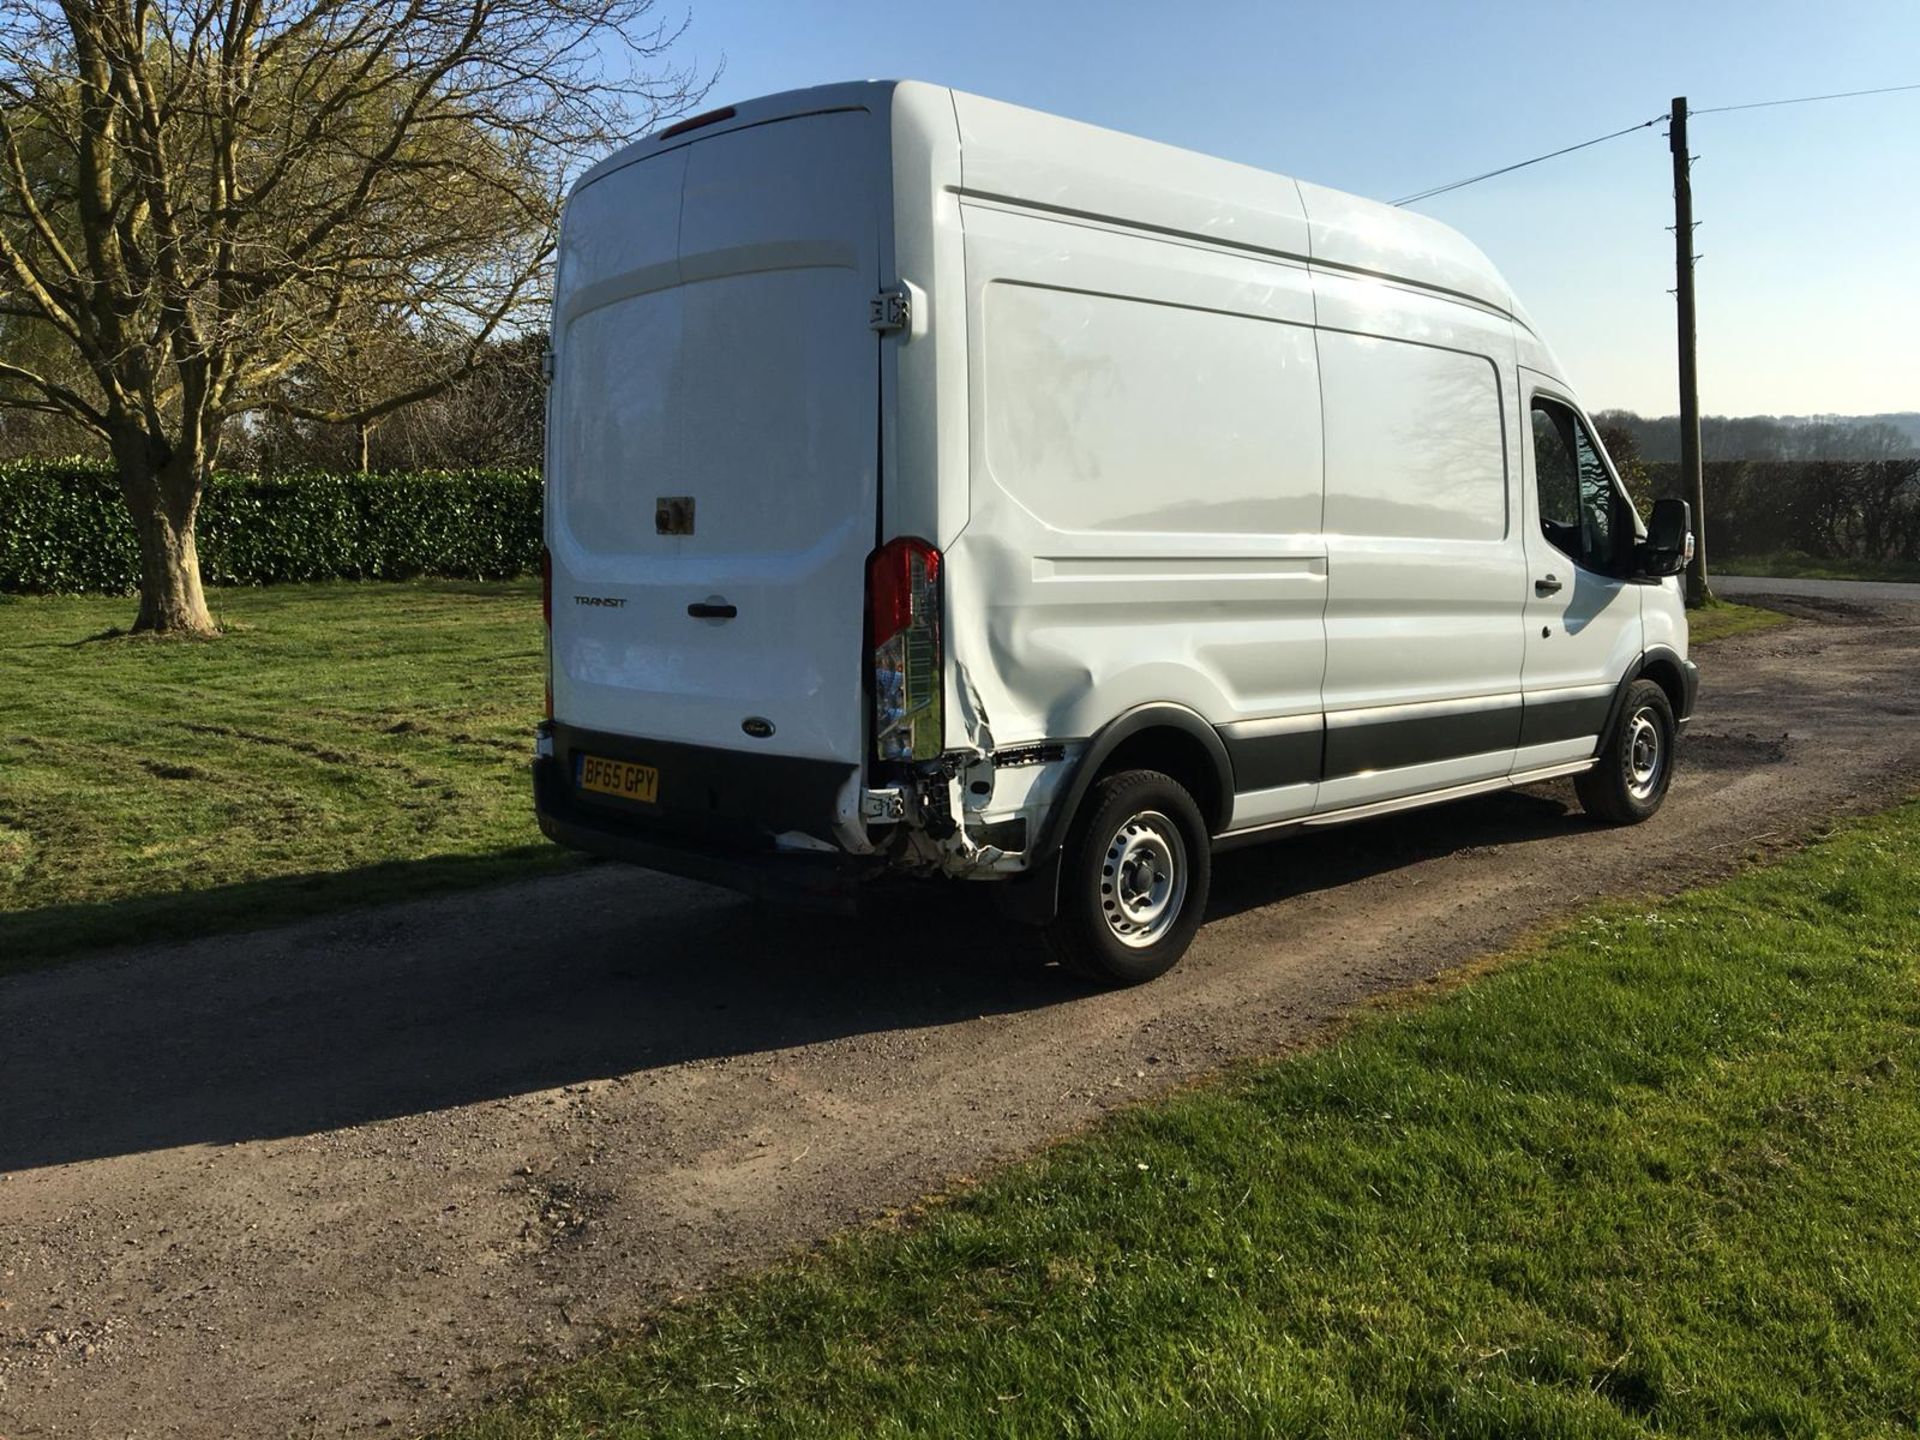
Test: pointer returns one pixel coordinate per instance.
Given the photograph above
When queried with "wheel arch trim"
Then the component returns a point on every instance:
(1667, 668)
(1157, 715)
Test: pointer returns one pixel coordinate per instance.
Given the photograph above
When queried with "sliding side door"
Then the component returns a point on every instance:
(1425, 563)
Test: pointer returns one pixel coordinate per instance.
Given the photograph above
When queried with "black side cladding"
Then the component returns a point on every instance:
(1546, 721)
(1390, 744)
(1267, 762)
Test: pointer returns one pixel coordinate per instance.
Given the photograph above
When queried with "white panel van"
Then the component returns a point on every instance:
(939, 488)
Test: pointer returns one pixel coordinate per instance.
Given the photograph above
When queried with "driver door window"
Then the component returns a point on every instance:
(1578, 510)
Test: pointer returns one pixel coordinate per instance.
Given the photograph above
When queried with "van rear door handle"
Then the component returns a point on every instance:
(1546, 586)
(712, 610)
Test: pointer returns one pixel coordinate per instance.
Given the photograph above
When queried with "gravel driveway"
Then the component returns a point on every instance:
(369, 1169)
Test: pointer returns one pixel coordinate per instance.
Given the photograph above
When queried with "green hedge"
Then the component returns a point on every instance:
(63, 527)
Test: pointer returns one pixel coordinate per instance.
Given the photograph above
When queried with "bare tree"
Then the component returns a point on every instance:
(200, 197)
(38, 432)
(371, 355)
(494, 415)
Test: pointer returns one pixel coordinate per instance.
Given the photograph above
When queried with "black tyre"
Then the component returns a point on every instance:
(1636, 760)
(1133, 880)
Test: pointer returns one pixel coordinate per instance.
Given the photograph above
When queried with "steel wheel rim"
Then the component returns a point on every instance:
(1143, 879)
(1646, 754)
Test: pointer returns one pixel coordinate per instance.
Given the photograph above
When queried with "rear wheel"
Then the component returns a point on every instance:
(1134, 876)
(1635, 767)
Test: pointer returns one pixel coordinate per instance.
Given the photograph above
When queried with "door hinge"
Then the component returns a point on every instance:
(546, 366)
(890, 310)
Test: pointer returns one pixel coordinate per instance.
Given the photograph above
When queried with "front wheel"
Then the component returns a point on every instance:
(1630, 779)
(1133, 880)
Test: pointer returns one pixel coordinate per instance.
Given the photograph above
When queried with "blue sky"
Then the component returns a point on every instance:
(1810, 285)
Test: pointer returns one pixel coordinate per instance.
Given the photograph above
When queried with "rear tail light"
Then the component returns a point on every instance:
(903, 628)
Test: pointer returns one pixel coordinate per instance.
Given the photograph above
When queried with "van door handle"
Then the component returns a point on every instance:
(1546, 586)
(710, 610)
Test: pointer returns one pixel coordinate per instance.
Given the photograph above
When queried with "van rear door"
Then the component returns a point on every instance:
(712, 488)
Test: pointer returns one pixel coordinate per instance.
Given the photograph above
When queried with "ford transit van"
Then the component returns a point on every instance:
(939, 488)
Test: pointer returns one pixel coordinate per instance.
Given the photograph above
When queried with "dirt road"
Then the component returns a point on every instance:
(368, 1169)
(1856, 592)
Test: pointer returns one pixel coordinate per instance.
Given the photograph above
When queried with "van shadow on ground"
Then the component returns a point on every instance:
(394, 1012)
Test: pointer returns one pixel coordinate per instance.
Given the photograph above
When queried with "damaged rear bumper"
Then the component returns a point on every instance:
(727, 841)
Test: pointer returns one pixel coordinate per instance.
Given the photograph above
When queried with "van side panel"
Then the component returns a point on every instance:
(1426, 565)
(1145, 483)
(1091, 451)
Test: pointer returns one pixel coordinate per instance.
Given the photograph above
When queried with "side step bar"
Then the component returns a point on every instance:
(1232, 838)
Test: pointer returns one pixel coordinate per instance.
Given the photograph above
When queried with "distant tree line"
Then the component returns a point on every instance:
(1771, 437)
(1861, 504)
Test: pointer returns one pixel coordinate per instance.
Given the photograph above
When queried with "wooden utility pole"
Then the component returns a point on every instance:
(1691, 478)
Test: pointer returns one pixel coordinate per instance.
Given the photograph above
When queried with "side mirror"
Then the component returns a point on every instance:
(1669, 543)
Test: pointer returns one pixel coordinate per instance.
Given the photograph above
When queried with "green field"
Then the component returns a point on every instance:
(1654, 1175)
(341, 744)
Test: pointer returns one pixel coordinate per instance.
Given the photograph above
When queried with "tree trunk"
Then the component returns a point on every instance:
(164, 507)
(364, 433)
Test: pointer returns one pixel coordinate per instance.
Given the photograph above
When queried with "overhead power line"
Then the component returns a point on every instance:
(1522, 164)
(1803, 99)
(1645, 124)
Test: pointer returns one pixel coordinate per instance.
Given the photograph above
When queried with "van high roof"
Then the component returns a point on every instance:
(1099, 175)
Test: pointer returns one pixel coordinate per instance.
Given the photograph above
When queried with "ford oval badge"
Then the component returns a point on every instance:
(758, 728)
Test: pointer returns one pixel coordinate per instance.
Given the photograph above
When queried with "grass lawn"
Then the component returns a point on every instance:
(343, 743)
(1803, 567)
(1653, 1175)
(1722, 619)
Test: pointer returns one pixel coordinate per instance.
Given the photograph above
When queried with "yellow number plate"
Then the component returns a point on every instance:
(619, 777)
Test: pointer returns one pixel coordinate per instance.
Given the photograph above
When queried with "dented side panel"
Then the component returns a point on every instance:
(1111, 559)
